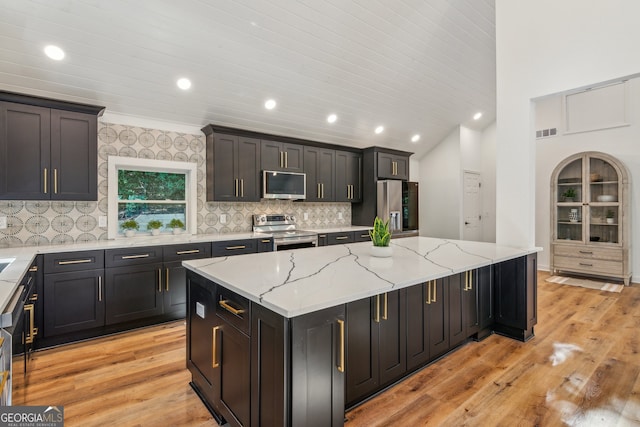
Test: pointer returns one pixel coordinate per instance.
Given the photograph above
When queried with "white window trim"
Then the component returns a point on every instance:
(150, 165)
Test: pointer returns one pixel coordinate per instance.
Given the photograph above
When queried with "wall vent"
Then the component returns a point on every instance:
(546, 133)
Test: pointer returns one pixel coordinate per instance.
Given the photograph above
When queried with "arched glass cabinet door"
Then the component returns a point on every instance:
(568, 201)
(604, 201)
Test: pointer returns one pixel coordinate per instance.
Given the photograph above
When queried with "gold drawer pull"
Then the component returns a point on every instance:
(266, 241)
(384, 310)
(5, 377)
(342, 238)
(75, 261)
(365, 235)
(225, 304)
(230, 248)
(377, 317)
(33, 269)
(586, 252)
(322, 235)
(190, 251)
(584, 264)
(341, 365)
(214, 362)
(135, 256)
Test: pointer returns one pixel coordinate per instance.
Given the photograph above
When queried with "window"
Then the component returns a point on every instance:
(145, 190)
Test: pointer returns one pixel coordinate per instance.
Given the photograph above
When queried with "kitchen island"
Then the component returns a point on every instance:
(292, 338)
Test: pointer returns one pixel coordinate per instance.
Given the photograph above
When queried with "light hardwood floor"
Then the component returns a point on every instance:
(581, 369)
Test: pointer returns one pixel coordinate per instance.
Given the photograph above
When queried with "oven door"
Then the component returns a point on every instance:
(295, 243)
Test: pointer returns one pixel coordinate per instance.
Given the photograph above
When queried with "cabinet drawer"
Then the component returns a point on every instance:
(589, 252)
(133, 256)
(186, 251)
(361, 236)
(587, 265)
(233, 308)
(73, 261)
(339, 238)
(234, 247)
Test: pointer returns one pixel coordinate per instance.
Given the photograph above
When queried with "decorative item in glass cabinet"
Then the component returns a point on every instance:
(610, 216)
(573, 215)
(569, 195)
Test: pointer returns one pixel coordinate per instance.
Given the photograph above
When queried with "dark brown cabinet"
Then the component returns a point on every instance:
(376, 343)
(319, 165)
(516, 297)
(340, 238)
(174, 276)
(73, 292)
(47, 153)
(456, 309)
(361, 236)
(323, 239)
(348, 177)
(133, 292)
(438, 317)
(393, 166)
(235, 247)
(282, 156)
(233, 167)
(265, 245)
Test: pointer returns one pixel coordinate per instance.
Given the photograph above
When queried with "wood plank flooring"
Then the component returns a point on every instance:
(581, 369)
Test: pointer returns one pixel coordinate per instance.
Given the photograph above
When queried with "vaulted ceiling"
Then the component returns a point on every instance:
(412, 66)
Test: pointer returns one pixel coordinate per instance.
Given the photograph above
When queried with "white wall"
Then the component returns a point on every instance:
(545, 47)
(440, 189)
(488, 159)
(622, 143)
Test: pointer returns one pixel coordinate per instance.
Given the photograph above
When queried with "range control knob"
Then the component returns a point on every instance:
(291, 218)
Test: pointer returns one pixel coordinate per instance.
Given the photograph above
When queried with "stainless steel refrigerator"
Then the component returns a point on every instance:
(398, 203)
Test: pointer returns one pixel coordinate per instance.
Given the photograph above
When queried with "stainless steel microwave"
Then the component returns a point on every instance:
(284, 185)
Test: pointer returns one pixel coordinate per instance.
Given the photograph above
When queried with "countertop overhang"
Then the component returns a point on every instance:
(296, 282)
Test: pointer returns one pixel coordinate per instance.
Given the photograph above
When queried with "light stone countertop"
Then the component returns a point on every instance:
(300, 281)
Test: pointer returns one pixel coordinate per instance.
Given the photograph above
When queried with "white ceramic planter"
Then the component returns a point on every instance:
(129, 233)
(177, 230)
(381, 251)
(155, 231)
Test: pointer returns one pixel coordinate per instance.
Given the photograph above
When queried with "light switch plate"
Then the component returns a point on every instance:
(223, 218)
(3, 222)
(305, 216)
(102, 221)
(339, 215)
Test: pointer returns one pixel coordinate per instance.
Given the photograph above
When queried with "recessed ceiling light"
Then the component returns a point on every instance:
(379, 129)
(476, 116)
(331, 118)
(54, 52)
(415, 138)
(184, 83)
(270, 104)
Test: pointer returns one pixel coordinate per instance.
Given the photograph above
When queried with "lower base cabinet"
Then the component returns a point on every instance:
(133, 292)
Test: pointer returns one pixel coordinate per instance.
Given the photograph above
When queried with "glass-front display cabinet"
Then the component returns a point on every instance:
(590, 220)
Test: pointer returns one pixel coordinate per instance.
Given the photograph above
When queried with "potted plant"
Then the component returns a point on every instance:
(569, 195)
(380, 236)
(176, 225)
(610, 216)
(129, 226)
(154, 225)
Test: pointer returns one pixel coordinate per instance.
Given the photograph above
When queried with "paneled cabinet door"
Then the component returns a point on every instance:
(471, 302)
(417, 326)
(319, 165)
(438, 321)
(74, 156)
(236, 169)
(133, 292)
(348, 177)
(174, 294)
(73, 301)
(281, 156)
(318, 368)
(376, 334)
(392, 166)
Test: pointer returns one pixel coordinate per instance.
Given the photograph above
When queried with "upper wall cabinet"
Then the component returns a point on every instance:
(319, 165)
(393, 166)
(348, 177)
(282, 156)
(48, 149)
(591, 217)
(233, 167)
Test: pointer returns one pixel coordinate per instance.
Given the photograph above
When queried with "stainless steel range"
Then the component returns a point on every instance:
(284, 231)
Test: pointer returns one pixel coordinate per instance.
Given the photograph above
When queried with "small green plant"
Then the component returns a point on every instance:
(380, 235)
(175, 223)
(610, 214)
(154, 224)
(570, 193)
(130, 224)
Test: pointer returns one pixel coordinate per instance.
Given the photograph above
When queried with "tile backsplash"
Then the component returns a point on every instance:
(32, 223)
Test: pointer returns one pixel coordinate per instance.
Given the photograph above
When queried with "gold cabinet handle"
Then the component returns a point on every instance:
(377, 316)
(214, 361)
(231, 248)
(466, 280)
(55, 181)
(281, 159)
(471, 280)
(318, 190)
(44, 175)
(166, 280)
(135, 256)
(28, 339)
(322, 235)
(100, 288)
(74, 261)
(435, 291)
(266, 241)
(322, 186)
(342, 237)
(384, 310)
(225, 304)
(190, 251)
(242, 188)
(33, 269)
(428, 285)
(34, 297)
(286, 159)
(236, 183)
(159, 280)
(341, 359)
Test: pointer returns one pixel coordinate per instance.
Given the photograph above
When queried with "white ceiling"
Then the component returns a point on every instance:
(414, 66)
